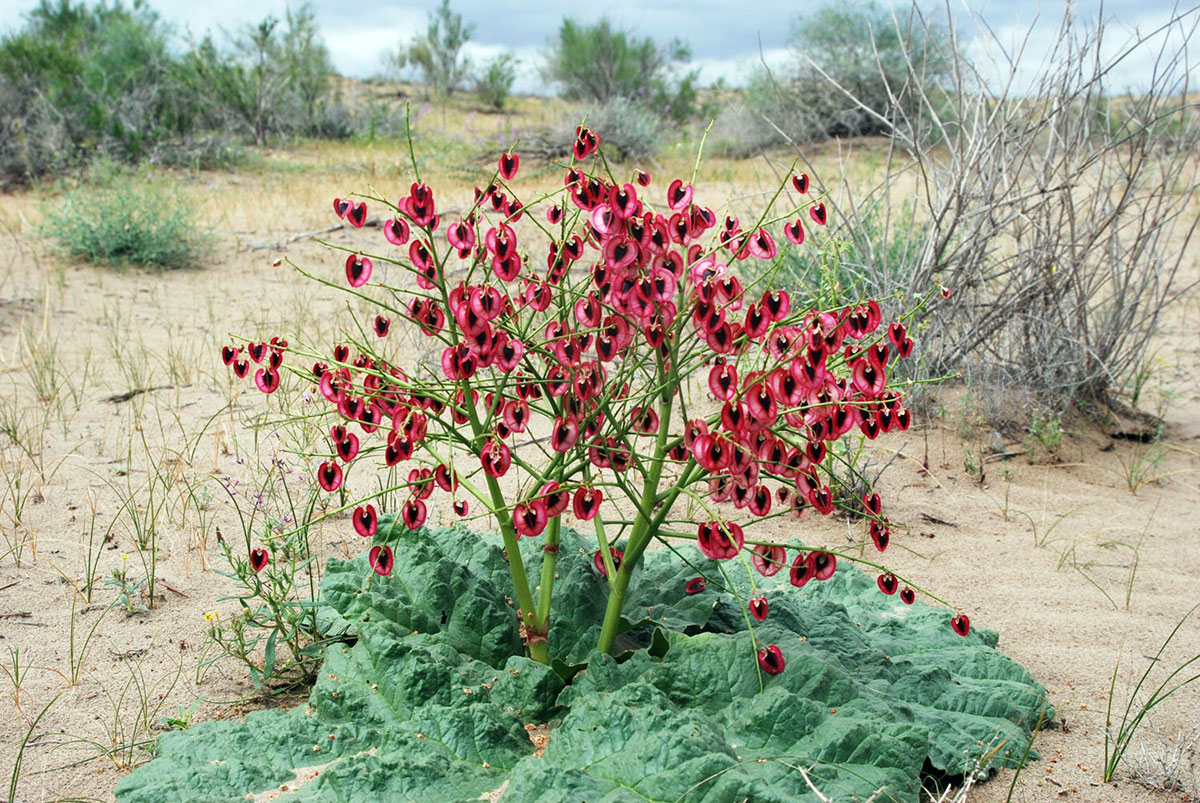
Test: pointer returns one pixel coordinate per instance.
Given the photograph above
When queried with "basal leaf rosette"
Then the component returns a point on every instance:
(602, 351)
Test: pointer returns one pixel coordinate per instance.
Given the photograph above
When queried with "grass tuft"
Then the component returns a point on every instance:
(123, 220)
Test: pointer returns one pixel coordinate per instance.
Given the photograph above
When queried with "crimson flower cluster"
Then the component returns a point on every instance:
(576, 370)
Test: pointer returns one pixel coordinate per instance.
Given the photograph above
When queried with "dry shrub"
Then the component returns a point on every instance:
(1056, 213)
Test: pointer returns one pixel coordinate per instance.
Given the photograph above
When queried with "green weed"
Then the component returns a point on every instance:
(124, 220)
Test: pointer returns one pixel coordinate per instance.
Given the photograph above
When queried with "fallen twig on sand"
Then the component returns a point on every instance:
(373, 222)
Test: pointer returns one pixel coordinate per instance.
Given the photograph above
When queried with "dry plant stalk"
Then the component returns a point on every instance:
(1057, 212)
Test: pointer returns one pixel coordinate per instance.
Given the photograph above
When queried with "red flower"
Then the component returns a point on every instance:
(598, 561)
(587, 503)
(720, 540)
(357, 214)
(530, 519)
(768, 559)
(329, 476)
(509, 162)
(413, 513)
(555, 499)
(260, 557)
(679, 195)
(365, 521)
(822, 565)
(771, 660)
(380, 558)
(495, 458)
(396, 231)
(358, 269)
(887, 583)
(801, 570)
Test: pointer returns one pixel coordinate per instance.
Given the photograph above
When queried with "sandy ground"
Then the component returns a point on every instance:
(1073, 567)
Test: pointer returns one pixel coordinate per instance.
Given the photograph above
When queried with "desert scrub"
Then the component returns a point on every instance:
(123, 219)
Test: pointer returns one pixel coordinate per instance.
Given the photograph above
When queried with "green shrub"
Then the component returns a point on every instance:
(128, 222)
(436, 53)
(82, 82)
(79, 81)
(495, 81)
(272, 79)
(860, 49)
(607, 66)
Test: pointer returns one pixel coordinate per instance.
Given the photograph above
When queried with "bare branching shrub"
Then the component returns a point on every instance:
(1055, 212)
(1169, 763)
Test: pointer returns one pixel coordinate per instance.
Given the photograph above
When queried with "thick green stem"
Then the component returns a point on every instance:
(612, 613)
(643, 531)
(545, 589)
(534, 637)
(531, 632)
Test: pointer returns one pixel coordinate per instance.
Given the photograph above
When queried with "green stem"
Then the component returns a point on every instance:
(644, 528)
(545, 589)
(534, 638)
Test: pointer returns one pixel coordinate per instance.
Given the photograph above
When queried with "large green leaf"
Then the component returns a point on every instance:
(429, 696)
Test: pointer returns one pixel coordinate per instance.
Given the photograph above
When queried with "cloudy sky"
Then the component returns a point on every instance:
(725, 37)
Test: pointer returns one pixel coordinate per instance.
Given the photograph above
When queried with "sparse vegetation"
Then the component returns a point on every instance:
(120, 219)
(1138, 708)
(436, 53)
(602, 65)
(119, 426)
(495, 80)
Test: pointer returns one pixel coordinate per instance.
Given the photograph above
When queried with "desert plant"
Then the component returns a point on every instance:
(640, 393)
(437, 53)
(431, 685)
(495, 81)
(1056, 237)
(513, 354)
(873, 54)
(270, 78)
(121, 220)
(1045, 430)
(79, 81)
(603, 65)
(1136, 709)
(276, 575)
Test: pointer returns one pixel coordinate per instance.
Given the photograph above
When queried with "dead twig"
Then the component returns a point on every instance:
(131, 394)
(371, 222)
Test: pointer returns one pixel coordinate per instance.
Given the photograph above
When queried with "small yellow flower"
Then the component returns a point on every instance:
(124, 556)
